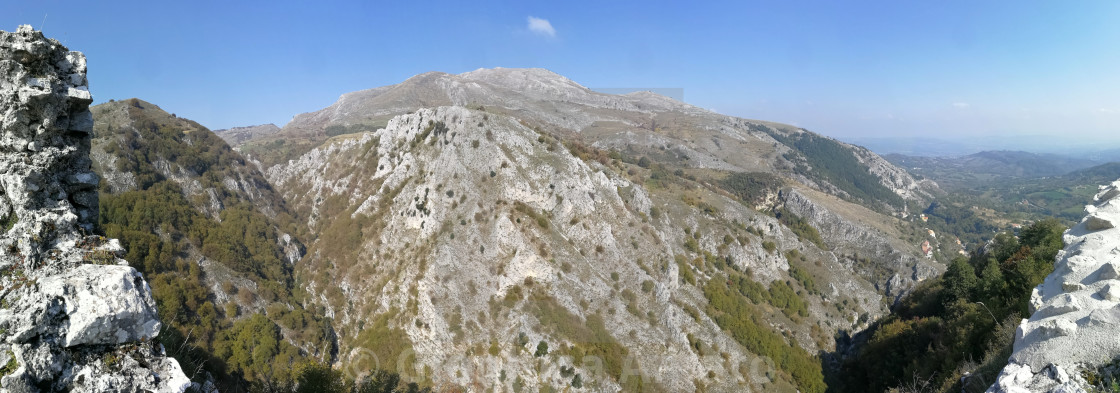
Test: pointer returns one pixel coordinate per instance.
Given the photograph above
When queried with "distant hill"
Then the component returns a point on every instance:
(983, 167)
(1098, 174)
(1100, 149)
(1033, 198)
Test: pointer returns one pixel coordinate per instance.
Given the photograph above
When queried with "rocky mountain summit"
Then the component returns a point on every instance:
(1071, 333)
(73, 315)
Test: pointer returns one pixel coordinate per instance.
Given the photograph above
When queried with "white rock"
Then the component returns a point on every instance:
(105, 305)
(1110, 292)
(1058, 327)
(1062, 304)
(1109, 272)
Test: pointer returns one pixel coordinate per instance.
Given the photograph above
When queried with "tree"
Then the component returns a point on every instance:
(992, 282)
(542, 349)
(960, 280)
(644, 162)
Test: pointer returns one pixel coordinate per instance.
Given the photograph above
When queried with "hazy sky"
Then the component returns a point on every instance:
(841, 68)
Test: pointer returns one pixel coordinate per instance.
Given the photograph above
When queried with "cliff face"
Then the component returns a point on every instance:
(1075, 311)
(73, 315)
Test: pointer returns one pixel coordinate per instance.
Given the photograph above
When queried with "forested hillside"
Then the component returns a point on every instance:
(206, 229)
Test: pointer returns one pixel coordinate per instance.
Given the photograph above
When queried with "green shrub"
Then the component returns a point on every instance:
(644, 162)
(684, 270)
(803, 278)
(8, 221)
(12, 365)
(769, 246)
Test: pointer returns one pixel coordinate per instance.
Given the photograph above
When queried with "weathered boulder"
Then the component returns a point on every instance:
(73, 315)
(104, 305)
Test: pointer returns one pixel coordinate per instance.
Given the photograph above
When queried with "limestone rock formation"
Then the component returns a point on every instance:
(73, 315)
(1075, 311)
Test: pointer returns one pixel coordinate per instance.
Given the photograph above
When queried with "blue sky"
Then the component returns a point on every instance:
(842, 68)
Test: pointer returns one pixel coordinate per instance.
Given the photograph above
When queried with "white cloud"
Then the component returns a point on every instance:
(1105, 110)
(961, 105)
(542, 27)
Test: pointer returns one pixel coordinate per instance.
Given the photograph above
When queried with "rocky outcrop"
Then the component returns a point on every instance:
(73, 315)
(847, 230)
(1075, 311)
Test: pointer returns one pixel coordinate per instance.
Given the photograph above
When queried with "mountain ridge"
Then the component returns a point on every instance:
(561, 107)
(517, 191)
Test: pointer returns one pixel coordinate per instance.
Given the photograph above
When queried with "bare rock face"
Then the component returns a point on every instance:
(73, 315)
(1076, 310)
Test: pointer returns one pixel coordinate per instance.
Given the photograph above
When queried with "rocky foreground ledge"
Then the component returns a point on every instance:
(1075, 313)
(73, 315)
